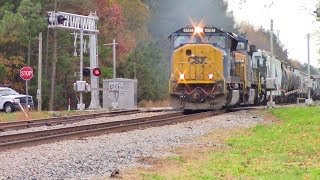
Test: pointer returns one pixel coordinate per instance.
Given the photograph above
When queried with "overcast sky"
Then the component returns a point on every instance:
(292, 19)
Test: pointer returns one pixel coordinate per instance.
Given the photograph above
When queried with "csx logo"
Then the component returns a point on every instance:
(197, 60)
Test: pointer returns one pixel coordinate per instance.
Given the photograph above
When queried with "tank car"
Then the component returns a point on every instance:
(316, 87)
(290, 83)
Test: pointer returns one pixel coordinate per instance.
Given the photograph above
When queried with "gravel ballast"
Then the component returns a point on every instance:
(97, 157)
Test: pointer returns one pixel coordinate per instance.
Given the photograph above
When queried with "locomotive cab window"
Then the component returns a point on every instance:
(241, 46)
(215, 40)
(254, 62)
(259, 61)
(182, 40)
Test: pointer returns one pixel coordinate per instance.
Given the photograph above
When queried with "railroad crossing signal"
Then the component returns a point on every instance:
(96, 71)
(87, 72)
(26, 73)
(82, 24)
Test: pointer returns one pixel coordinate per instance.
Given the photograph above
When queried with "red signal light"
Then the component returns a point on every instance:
(96, 72)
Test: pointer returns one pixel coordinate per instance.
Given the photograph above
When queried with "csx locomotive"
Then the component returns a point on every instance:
(214, 69)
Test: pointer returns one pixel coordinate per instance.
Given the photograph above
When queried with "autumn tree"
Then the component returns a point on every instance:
(261, 38)
(148, 66)
(10, 72)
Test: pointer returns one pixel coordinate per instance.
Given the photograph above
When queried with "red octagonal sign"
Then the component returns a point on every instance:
(26, 73)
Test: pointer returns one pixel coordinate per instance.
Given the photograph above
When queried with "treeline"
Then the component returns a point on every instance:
(126, 21)
(141, 28)
(261, 38)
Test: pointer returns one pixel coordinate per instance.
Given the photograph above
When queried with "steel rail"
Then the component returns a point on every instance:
(40, 137)
(17, 125)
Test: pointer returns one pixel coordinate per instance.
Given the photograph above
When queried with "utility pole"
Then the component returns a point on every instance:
(81, 67)
(135, 70)
(114, 57)
(114, 89)
(39, 73)
(309, 84)
(54, 64)
(114, 60)
(271, 103)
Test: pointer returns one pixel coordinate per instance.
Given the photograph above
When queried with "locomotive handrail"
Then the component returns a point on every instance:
(211, 62)
(300, 90)
(171, 78)
(224, 80)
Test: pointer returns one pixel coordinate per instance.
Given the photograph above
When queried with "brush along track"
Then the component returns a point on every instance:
(40, 137)
(17, 125)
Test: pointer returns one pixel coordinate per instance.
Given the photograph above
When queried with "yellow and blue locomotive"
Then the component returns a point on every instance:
(211, 69)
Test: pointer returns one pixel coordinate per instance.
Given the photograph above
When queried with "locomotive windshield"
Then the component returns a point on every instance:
(184, 39)
(199, 35)
(215, 40)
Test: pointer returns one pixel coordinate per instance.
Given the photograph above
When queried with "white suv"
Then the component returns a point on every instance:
(10, 100)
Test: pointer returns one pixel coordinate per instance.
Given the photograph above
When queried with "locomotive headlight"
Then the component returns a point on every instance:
(181, 76)
(210, 76)
(198, 30)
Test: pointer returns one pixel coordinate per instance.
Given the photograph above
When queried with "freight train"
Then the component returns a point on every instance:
(214, 69)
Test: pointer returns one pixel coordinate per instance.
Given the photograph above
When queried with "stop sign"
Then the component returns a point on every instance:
(26, 73)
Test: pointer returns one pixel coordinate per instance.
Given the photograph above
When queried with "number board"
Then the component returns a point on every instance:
(188, 30)
(205, 30)
(209, 30)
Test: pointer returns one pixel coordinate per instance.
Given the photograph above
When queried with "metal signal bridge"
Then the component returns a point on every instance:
(73, 22)
(81, 24)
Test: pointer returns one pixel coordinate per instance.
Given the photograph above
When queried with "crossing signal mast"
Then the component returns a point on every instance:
(82, 24)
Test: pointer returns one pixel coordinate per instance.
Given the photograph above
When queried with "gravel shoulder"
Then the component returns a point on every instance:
(98, 157)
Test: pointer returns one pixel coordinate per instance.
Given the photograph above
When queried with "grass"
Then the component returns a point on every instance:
(176, 159)
(286, 150)
(20, 116)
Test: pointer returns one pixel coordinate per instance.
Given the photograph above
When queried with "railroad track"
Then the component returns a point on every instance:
(46, 136)
(17, 125)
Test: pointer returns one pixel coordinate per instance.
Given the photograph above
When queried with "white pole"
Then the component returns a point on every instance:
(309, 76)
(95, 100)
(39, 73)
(27, 95)
(114, 61)
(309, 101)
(272, 74)
(271, 49)
(114, 71)
(81, 66)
